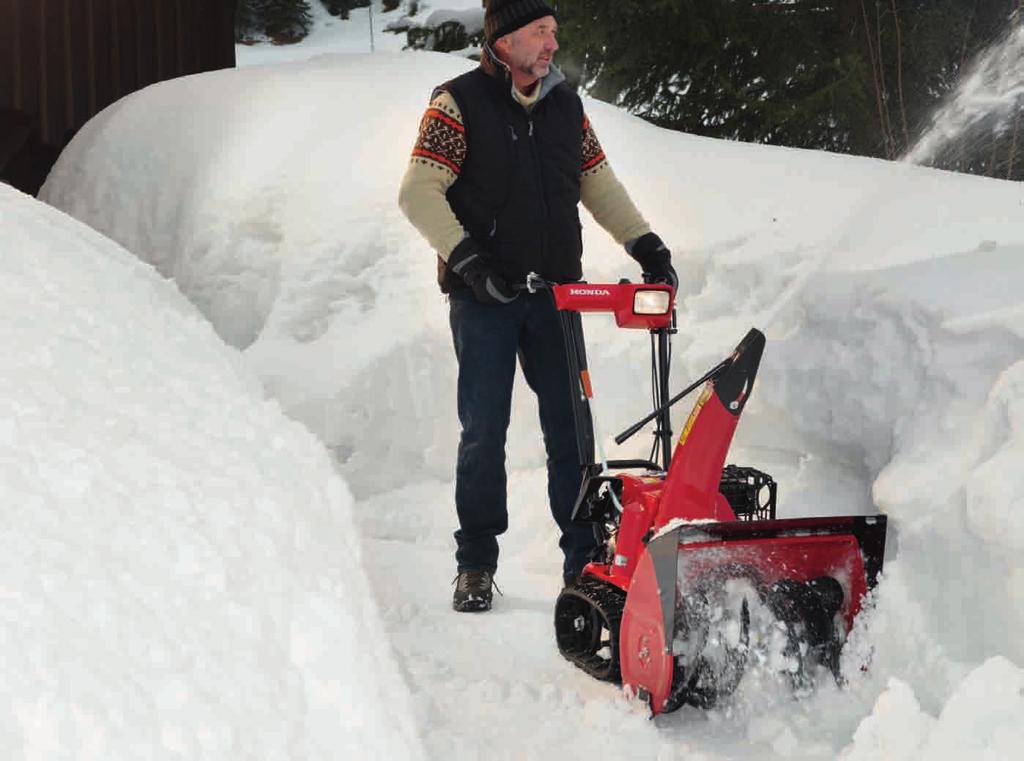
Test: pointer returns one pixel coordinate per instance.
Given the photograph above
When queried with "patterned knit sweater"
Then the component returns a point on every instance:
(437, 160)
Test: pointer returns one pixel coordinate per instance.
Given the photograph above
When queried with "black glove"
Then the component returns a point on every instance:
(655, 258)
(470, 263)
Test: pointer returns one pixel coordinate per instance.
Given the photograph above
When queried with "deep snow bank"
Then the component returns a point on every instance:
(891, 296)
(178, 575)
(275, 213)
(981, 721)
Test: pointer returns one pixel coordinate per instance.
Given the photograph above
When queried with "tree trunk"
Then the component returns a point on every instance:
(960, 71)
(890, 138)
(876, 78)
(899, 75)
(1012, 153)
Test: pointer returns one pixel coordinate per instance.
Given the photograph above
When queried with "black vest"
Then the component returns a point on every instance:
(518, 192)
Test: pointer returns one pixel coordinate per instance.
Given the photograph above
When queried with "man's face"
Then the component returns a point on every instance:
(528, 51)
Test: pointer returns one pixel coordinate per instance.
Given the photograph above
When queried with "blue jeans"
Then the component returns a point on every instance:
(487, 341)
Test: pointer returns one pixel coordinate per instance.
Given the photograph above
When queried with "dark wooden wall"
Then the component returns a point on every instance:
(63, 61)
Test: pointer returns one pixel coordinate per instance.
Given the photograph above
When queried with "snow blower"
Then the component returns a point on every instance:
(693, 557)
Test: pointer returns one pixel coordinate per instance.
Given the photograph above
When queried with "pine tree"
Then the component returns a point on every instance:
(286, 21)
(342, 8)
(283, 21)
(859, 76)
(248, 20)
(741, 69)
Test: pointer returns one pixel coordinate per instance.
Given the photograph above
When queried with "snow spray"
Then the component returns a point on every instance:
(991, 89)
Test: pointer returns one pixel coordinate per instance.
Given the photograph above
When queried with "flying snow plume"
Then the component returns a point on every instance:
(991, 90)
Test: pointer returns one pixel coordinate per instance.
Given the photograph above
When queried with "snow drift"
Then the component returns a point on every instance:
(178, 575)
(891, 296)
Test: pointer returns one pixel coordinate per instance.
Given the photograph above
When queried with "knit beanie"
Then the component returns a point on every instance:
(505, 16)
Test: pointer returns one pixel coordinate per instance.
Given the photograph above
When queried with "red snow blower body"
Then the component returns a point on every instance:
(693, 556)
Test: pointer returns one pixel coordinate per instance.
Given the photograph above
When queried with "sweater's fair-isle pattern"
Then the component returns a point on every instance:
(593, 154)
(442, 138)
(437, 161)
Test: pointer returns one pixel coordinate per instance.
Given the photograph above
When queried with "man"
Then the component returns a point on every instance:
(504, 156)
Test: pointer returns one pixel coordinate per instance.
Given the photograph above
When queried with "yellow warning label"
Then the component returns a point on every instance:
(704, 396)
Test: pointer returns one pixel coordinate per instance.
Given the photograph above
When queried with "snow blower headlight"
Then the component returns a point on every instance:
(651, 302)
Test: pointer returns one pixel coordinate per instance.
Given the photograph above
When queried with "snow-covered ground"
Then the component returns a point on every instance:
(178, 571)
(329, 34)
(893, 380)
(363, 32)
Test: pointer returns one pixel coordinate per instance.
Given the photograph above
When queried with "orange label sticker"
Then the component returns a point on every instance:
(588, 390)
(704, 396)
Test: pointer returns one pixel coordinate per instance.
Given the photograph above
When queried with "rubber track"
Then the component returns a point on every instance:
(609, 601)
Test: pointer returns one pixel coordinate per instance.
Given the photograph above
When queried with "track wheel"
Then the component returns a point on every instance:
(587, 617)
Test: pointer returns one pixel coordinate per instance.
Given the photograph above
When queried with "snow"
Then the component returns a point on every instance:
(179, 578)
(471, 19)
(365, 31)
(328, 34)
(981, 721)
(892, 380)
(991, 90)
